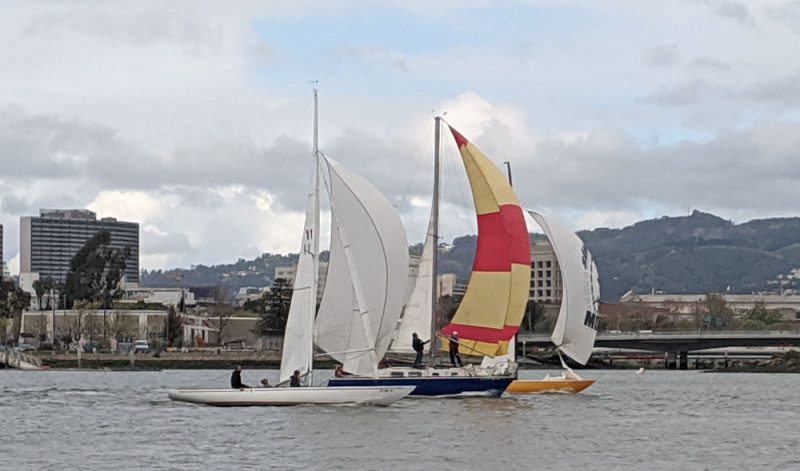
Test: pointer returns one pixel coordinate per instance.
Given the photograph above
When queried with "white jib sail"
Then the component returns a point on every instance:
(576, 327)
(297, 341)
(417, 312)
(367, 274)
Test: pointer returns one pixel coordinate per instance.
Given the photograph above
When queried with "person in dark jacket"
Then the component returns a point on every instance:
(418, 345)
(455, 358)
(294, 381)
(236, 379)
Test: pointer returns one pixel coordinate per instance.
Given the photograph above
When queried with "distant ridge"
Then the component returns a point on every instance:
(698, 253)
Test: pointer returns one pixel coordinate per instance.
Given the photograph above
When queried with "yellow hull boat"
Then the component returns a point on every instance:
(567, 383)
(550, 385)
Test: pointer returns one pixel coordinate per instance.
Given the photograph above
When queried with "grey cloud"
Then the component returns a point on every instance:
(783, 91)
(12, 205)
(752, 169)
(179, 25)
(662, 55)
(735, 11)
(710, 64)
(787, 14)
(47, 147)
(156, 244)
(681, 95)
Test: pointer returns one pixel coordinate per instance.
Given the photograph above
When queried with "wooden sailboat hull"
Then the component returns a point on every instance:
(563, 386)
(434, 386)
(378, 396)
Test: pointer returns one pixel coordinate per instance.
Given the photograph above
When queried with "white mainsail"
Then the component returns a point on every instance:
(298, 346)
(417, 312)
(297, 341)
(576, 327)
(367, 273)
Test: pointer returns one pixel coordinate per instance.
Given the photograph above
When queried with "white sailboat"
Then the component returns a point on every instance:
(494, 302)
(347, 192)
(576, 327)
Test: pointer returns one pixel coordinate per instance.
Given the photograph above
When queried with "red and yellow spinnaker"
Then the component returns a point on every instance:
(494, 304)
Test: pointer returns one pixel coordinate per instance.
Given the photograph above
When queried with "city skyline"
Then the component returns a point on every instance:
(194, 119)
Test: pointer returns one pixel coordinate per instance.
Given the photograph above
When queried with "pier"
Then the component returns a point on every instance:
(676, 345)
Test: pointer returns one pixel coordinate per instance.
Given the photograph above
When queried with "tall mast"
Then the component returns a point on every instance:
(315, 238)
(435, 237)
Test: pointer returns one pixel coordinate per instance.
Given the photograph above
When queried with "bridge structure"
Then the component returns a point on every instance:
(677, 343)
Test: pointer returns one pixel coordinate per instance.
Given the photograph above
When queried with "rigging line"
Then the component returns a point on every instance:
(404, 201)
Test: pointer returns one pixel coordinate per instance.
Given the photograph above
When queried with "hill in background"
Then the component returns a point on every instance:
(699, 253)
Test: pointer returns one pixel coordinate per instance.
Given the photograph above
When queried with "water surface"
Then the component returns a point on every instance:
(659, 420)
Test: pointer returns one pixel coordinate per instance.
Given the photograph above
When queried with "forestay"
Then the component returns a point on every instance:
(367, 273)
(576, 327)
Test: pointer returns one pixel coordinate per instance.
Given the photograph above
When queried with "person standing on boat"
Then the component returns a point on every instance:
(236, 378)
(455, 358)
(339, 372)
(294, 381)
(418, 345)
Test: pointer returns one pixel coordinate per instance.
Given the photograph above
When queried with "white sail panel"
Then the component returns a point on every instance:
(417, 314)
(367, 273)
(297, 341)
(576, 327)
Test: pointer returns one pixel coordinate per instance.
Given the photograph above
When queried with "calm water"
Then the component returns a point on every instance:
(659, 420)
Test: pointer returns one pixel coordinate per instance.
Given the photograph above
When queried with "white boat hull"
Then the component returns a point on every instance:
(378, 396)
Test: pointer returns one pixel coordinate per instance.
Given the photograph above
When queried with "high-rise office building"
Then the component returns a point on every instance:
(49, 242)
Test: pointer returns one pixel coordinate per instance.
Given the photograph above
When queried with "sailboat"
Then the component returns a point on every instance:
(347, 192)
(494, 302)
(576, 327)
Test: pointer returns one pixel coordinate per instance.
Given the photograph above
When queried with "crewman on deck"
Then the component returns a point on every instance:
(236, 378)
(418, 345)
(455, 358)
(294, 381)
(339, 372)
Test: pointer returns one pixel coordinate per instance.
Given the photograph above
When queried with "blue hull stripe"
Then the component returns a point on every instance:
(434, 386)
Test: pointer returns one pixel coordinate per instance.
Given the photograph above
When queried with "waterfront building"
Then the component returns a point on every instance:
(50, 241)
(546, 285)
(688, 307)
(165, 296)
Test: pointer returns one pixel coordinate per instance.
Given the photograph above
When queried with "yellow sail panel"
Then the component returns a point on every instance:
(481, 303)
(490, 189)
(520, 291)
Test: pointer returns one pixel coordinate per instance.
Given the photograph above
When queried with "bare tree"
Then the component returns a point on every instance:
(121, 326)
(222, 312)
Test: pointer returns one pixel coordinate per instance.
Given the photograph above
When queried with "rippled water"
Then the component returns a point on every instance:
(659, 420)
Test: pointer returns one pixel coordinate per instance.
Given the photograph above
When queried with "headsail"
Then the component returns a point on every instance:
(417, 312)
(297, 341)
(576, 327)
(494, 304)
(367, 273)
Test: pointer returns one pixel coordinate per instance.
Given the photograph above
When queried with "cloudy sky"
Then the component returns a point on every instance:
(194, 118)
